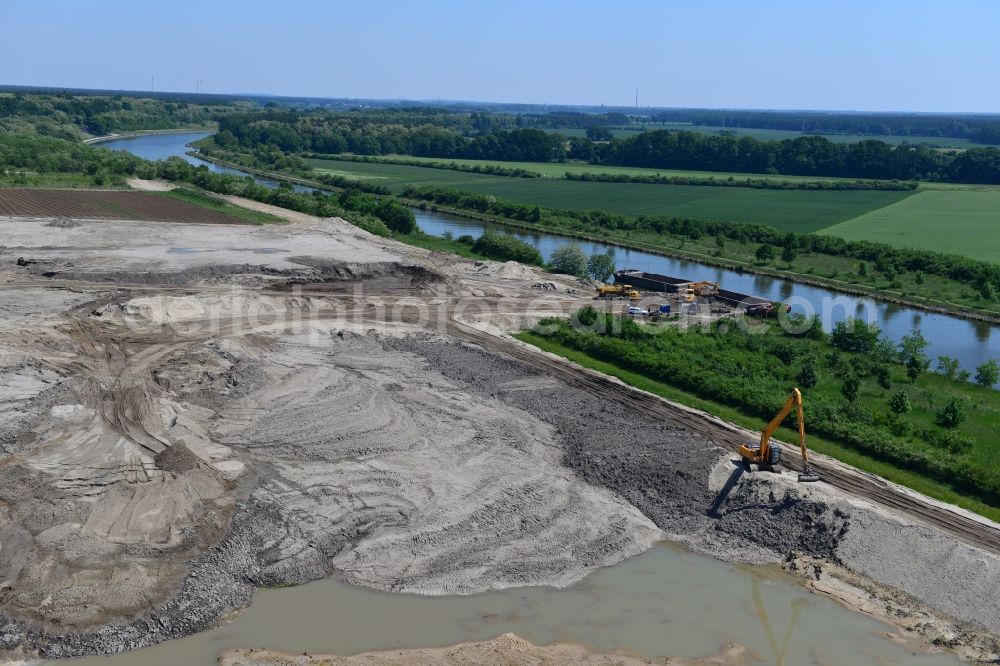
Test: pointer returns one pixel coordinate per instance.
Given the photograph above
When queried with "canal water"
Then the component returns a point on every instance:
(970, 342)
(665, 602)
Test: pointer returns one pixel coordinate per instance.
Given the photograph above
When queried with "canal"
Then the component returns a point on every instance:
(971, 342)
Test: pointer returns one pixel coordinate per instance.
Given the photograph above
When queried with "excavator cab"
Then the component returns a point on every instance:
(763, 453)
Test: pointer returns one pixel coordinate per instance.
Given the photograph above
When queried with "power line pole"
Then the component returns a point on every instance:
(152, 84)
(637, 98)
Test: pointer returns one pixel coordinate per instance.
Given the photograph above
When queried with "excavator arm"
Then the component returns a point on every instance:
(762, 453)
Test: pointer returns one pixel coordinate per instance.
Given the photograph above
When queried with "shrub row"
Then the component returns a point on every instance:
(755, 183)
(491, 169)
(375, 214)
(506, 248)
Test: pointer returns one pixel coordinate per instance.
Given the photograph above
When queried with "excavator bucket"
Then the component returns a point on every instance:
(808, 475)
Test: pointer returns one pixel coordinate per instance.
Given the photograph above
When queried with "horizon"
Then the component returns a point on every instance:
(53, 89)
(790, 57)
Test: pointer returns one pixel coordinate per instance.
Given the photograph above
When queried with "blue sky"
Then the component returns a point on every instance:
(872, 55)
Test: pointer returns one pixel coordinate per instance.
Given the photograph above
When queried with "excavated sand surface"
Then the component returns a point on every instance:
(505, 650)
(381, 455)
(141, 247)
(353, 457)
(163, 456)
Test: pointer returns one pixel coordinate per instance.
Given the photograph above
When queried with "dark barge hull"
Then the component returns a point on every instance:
(671, 285)
(650, 281)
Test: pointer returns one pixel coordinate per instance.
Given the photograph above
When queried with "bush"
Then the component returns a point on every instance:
(369, 223)
(899, 403)
(808, 376)
(850, 388)
(396, 216)
(854, 335)
(952, 414)
(506, 248)
(948, 440)
(569, 259)
(948, 366)
(601, 267)
(764, 253)
(466, 239)
(988, 373)
(587, 315)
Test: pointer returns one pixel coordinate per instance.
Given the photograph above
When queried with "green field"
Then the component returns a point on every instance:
(559, 169)
(778, 135)
(794, 210)
(953, 221)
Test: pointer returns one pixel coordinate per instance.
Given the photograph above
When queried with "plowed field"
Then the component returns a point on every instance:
(105, 205)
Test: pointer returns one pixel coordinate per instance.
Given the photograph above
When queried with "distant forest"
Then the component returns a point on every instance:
(980, 128)
(72, 116)
(449, 135)
(468, 131)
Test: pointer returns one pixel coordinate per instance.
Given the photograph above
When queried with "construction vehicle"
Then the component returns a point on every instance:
(705, 289)
(617, 291)
(659, 313)
(765, 454)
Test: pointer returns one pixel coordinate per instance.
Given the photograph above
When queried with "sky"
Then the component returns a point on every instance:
(872, 55)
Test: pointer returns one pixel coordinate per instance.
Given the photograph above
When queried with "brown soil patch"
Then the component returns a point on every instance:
(105, 205)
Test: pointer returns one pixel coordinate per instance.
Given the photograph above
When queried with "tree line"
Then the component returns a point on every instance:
(68, 116)
(802, 156)
(754, 183)
(444, 135)
(976, 127)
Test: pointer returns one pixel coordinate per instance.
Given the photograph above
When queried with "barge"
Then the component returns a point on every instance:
(749, 303)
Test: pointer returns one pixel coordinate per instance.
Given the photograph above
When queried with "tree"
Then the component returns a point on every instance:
(912, 344)
(808, 376)
(720, 242)
(899, 403)
(765, 253)
(569, 259)
(916, 365)
(595, 133)
(883, 375)
(988, 373)
(601, 267)
(854, 335)
(850, 388)
(396, 216)
(947, 366)
(912, 349)
(788, 254)
(951, 415)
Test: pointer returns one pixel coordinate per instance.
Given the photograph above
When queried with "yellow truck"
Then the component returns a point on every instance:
(616, 291)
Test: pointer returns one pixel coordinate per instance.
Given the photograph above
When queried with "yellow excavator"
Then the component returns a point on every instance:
(765, 454)
(705, 289)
